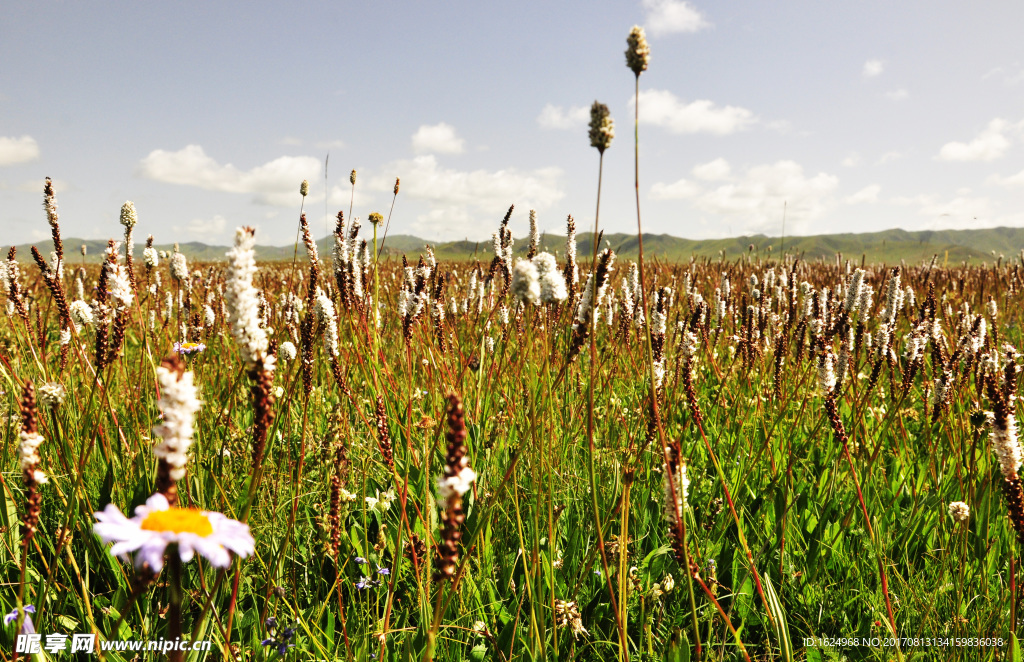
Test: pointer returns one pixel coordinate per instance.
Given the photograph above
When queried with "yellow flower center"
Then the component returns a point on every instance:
(178, 520)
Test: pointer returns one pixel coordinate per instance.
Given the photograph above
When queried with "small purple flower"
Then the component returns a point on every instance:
(280, 643)
(383, 571)
(360, 560)
(13, 616)
(366, 582)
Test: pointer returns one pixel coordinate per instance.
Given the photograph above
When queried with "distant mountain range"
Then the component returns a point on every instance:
(890, 246)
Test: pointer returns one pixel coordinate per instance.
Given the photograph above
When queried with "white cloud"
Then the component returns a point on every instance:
(668, 16)
(468, 203)
(873, 68)
(1009, 76)
(852, 160)
(664, 109)
(712, 171)
(1013, 181)
(274, 183)
(556, 117)
(342, 195)
(898, 95)
(888, 157)
(203, 229)
(988, 146)
(437, 139)
(755, 198)
(868, 194)
(18, 150)
(680, 190)
(958, 212)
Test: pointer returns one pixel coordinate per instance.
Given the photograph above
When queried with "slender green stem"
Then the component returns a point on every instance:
(174, 603)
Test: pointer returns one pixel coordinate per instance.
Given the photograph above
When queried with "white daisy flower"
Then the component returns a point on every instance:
(156, 525)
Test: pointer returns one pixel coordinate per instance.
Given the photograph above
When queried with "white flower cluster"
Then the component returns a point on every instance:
(590, 304)
(570, 253)
(1006, 446)
(661, 588)
(410, 304)
(120, 285)
(526, 282)
(449, 486)
(807, 299)
(690, 344)
(287, 350)
(567, 614)
(346, 254)
(28, 454)
(242, 299)
(826, 373)
(681, 483)
(326, 314)
(534, 232)
(178, 404)
(915, 341)
(179, 265)
(720, 306)
(81, 314)
(52, 394)
(633, 278)
(151, 257)
(853, 292)
(942, 390)
(311, 249)
(867, 294)
(893, 300)
(56, 265)
(50, 205)
(845, 352)
(129, 217)
(959, 511)
(552, 285)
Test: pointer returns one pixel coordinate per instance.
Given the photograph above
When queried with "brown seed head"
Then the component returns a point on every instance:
(638, 55)
(602, 129)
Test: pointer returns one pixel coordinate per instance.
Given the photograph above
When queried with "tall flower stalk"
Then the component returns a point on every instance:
(28, 455)
(602, 130)
(638, 55)
(451, 486)
(242, 302)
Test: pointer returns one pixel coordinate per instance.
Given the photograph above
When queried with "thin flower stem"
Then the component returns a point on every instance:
(591, 445)
(174, 602)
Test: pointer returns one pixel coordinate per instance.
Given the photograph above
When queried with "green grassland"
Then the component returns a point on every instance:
(556, 528)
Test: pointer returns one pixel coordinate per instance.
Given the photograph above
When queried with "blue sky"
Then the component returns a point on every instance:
(855, 116)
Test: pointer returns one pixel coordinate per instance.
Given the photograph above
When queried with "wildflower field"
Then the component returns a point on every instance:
(536, 457)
